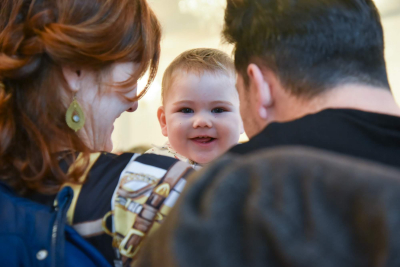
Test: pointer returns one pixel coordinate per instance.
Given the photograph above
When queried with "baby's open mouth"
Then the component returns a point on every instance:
(203, 139)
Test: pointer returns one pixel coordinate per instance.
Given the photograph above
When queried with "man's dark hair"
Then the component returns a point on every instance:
(312, 45)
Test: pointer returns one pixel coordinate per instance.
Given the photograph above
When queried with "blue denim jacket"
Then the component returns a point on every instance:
(35, 235)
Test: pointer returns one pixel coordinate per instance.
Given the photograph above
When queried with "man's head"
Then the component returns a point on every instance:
(301, 49)
(200, 113)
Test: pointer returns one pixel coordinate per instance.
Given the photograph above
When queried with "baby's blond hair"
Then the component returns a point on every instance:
(198, 61)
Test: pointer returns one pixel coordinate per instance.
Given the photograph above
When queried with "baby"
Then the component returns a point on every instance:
(200, 107)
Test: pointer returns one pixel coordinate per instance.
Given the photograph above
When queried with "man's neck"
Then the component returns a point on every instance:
(359, 97)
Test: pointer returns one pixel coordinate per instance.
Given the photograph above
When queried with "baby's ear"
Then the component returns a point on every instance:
(162, 120)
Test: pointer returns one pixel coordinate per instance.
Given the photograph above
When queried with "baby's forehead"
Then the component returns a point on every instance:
(182, 73)
(184, 79)
(202, 88)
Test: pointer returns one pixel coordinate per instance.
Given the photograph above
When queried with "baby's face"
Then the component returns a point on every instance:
(202, 115)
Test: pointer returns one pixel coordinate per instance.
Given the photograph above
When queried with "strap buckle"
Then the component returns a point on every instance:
(131, 251)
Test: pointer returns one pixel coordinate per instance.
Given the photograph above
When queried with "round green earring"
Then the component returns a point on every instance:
(75, 117)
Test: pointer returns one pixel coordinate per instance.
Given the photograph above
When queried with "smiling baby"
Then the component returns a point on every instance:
(200, 107)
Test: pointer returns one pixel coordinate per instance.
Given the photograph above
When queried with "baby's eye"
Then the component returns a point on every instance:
(218, 110)
(186, 110)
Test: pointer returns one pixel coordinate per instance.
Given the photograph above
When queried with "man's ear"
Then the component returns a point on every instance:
(73, 78)
(162, 120)
(262, 89)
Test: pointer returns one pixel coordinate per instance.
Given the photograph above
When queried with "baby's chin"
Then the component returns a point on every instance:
(204, 159)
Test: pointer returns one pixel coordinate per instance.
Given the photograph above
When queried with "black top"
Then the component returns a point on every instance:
(356, 133)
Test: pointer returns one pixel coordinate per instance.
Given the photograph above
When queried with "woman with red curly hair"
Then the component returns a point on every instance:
(68, 69)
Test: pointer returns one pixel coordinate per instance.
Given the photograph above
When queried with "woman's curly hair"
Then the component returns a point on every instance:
(37, 37)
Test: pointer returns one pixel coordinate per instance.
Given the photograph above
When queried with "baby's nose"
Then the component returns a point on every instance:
(202, 120)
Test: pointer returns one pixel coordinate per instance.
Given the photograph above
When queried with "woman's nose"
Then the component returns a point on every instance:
(133, 106)
(131, 94)
(202, 120)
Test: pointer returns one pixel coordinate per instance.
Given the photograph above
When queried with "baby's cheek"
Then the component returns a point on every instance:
(177, 136)
(180, 129)
(232, 133)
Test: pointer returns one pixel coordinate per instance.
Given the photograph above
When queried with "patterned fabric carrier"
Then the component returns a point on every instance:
(143, 198)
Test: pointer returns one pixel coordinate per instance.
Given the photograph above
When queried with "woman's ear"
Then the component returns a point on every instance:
(162, 120)
(262, 89)
(73, 78)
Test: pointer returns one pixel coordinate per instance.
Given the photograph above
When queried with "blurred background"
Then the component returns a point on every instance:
(197, 23)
